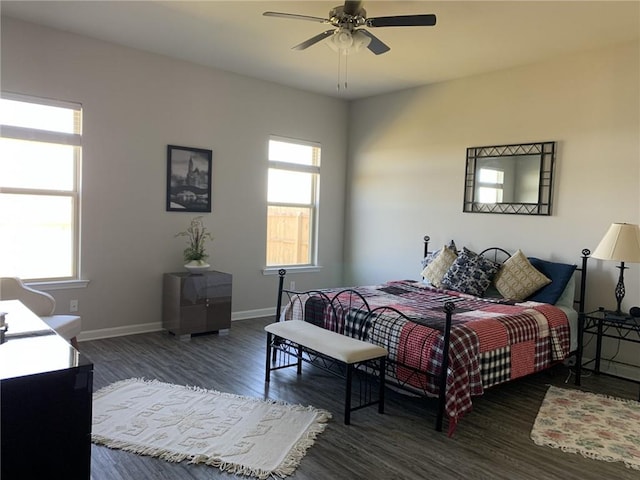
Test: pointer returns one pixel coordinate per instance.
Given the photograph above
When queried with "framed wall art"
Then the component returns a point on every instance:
(188, 179)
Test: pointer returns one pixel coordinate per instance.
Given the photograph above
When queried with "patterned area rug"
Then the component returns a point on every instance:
(596, 426)
(237, 434)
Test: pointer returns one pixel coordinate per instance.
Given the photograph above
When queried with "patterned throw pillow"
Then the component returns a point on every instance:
(439, 266)
(432, 255)
(470, 273)
(517, 278)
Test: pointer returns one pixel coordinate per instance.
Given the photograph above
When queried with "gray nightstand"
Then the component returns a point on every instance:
(194, 304)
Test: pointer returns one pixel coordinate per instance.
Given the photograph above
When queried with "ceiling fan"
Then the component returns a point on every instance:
(348, 35)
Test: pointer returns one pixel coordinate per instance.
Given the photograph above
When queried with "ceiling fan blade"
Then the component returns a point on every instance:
(352, 7)
(427, 20)
(313, 40)
(376, 45)
(294, 16)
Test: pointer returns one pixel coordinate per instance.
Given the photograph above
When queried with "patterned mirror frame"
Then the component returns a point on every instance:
(546, 151)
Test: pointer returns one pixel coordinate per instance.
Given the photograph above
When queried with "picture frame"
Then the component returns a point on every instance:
(189, 178)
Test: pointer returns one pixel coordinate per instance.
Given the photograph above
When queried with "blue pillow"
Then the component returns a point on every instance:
(559, 273)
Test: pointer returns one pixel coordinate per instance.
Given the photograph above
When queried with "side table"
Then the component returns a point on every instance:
(603, 323)
(196, 303)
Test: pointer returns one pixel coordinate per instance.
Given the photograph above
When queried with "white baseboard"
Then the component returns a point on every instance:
(157, 326)
(261, 312)
(119, 331)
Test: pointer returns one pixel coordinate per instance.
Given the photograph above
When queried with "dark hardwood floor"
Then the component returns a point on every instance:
(491, 442)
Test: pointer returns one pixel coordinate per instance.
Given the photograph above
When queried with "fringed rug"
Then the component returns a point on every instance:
(596, 426)
(237, 434)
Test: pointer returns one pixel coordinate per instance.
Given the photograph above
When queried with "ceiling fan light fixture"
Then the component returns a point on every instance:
(347, 42)
(360, 40)
(341, 40)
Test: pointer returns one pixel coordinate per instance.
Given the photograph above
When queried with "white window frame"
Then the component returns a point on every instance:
(313, 206)
(496, 188)
(73, 139)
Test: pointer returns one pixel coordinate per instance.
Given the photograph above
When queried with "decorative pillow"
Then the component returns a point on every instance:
(517, 278)
(439, 266)
(431, 255)
(470, 273)
(559, 273)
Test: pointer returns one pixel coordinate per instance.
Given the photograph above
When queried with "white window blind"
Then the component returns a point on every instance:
(40, 161)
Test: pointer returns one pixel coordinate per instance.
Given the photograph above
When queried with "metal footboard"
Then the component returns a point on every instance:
(325, 310)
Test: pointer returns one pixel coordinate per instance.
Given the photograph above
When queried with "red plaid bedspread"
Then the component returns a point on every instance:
(490, 342)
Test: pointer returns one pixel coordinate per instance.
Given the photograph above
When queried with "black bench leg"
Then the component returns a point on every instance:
(381, 393)
(347, 398)
(299, 368)
(267, 373)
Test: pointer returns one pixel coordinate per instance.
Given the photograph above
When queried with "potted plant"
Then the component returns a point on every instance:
(195, 254)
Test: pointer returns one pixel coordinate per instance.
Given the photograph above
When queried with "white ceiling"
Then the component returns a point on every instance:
(470, 37)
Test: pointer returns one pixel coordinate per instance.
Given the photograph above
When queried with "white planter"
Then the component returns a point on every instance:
(197, 266)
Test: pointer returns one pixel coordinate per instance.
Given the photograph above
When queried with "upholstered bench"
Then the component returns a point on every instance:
(337, 353)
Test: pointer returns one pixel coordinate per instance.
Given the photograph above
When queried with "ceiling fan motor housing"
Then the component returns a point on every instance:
(339, 18)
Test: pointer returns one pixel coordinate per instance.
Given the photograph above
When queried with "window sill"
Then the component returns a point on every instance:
(59, 285)
(291, 269)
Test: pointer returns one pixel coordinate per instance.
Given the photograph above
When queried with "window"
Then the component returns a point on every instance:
(292, 198)
(490, 185)
(40, 151)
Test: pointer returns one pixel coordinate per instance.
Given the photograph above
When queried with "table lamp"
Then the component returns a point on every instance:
(621, 243)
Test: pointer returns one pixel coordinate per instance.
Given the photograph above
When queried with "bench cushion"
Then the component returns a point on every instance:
(331, 344)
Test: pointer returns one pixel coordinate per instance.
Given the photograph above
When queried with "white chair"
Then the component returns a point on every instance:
(43, 305)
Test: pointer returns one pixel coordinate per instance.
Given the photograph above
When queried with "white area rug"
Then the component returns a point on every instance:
(237, 434)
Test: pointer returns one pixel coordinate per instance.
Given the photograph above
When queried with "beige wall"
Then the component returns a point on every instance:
(135, 104)
(405, 174)
(407, 160)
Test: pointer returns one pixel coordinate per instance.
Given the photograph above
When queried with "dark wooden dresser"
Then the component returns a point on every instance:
(46, 389)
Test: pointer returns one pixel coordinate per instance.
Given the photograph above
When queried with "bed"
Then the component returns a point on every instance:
(472, 322)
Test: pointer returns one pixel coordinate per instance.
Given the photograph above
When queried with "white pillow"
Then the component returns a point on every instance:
(568, 294)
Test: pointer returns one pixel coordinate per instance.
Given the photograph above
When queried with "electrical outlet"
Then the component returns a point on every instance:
(73, 306)
(292, 285)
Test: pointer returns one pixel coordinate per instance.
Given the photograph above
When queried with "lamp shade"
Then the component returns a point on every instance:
(621, 243)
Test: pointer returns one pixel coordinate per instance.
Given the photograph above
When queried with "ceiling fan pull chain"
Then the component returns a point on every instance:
(346, 70)
(338, 83)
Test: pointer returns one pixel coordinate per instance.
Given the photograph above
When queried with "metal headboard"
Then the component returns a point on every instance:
(497, 252)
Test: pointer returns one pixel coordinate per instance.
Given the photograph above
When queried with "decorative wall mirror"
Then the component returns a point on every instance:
(513, 179)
